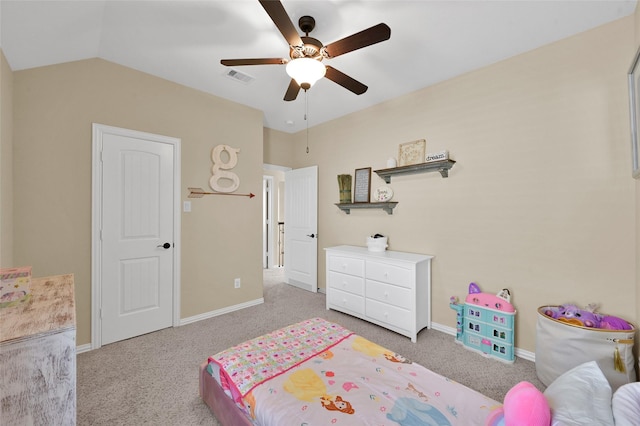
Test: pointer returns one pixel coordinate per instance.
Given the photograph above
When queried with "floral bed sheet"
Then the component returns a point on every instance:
(346, 380)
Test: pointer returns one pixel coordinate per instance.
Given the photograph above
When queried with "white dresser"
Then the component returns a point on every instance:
(391, 289)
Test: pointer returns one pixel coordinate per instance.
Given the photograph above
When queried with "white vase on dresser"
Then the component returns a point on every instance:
(38, 356)
(391, 289)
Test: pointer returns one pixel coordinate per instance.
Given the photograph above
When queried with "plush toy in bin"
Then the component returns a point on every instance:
(572, 314)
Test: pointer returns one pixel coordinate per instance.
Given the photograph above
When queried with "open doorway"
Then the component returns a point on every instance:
(273, 250)
(267, 222)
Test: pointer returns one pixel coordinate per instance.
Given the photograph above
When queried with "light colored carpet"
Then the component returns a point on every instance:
(153, 379)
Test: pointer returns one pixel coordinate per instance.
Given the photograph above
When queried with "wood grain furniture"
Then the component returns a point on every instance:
(391, 289)
(38, 356)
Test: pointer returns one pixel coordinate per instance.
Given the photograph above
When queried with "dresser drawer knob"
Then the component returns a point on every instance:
(386, 295)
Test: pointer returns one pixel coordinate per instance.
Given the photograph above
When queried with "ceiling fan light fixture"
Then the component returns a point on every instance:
(305, 71)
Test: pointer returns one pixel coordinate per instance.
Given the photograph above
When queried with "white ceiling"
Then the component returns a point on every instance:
(184, 40)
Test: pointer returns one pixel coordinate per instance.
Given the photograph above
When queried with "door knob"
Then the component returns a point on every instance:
(312, 235)
(165, 245)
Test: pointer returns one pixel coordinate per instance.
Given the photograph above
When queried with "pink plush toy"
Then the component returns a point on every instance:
(524, 405)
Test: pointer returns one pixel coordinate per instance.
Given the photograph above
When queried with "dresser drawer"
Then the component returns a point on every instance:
(387, 293)
(391, 274)
(389, 314)
(346, 301)
(391, 289)
(350, 283)
(346, 265)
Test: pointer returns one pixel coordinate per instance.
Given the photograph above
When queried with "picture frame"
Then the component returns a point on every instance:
(412, 152)
(634, 113)
(362, 185)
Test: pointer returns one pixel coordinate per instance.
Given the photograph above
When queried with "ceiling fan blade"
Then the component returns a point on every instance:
(258, 61)
(279, 16)
(292, 91)
(345, 81)
(364, 38)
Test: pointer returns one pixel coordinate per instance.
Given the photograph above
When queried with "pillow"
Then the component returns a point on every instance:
(581, 396)
(626, 405)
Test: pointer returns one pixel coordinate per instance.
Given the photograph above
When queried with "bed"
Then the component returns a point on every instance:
(316, 372)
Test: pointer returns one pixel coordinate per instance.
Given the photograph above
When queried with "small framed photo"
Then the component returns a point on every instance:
(634, 111)
(412, 152)
(362, 185)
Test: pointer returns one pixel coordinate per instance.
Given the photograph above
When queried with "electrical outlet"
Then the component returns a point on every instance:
(236, 283)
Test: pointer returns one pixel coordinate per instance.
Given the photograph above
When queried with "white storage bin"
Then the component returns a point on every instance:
(561, 346)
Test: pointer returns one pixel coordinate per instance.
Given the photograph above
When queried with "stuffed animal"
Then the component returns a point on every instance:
(524, 405)
(571, 314)
(610, 322)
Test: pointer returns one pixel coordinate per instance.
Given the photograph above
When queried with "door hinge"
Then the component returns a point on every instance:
(100, 313)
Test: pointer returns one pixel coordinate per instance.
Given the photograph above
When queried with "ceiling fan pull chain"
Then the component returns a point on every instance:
(306, 112)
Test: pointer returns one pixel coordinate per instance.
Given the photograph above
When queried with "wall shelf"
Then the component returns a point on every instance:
(442, 166)
(387, 206)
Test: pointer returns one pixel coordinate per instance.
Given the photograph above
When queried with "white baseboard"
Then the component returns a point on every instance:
(217, 312)
(83, 348)
(87, 347)
(521, 353)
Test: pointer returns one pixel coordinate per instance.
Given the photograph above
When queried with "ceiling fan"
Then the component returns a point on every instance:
(306, 53)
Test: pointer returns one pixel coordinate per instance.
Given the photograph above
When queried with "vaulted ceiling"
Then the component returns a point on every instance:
(184, 41)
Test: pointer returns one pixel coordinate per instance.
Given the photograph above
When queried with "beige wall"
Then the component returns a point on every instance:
(54, 109)
(540, 200)
(6, 163)
(278, 147)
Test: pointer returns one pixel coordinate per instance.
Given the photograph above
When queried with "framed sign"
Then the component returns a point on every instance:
(634, 110)
(411, 152)
(362, 186)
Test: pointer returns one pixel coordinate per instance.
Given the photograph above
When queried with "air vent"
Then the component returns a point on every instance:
(238, 76)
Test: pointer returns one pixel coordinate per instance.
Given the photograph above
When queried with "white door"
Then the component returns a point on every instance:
(137, 235)
(301, 228)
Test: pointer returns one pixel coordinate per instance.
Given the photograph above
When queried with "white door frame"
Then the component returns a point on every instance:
(272, 230)
(98, 130)
(267, 222)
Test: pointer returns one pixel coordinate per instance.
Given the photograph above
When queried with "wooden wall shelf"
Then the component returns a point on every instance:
(435, 166)
(388, 206)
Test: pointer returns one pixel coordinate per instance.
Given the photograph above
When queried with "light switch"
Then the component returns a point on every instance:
(186, 206)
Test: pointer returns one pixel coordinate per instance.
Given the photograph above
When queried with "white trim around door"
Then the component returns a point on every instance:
(98, 132)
